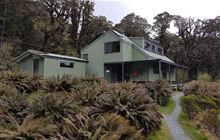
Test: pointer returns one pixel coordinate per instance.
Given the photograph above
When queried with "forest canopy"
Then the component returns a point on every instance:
(66, 26)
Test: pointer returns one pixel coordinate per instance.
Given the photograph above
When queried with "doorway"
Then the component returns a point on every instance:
(35, 66)
(113, 72)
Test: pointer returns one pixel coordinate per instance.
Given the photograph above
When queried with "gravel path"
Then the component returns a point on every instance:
(172, 120)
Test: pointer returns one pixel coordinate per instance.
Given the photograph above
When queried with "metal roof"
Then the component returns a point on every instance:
(43, 54)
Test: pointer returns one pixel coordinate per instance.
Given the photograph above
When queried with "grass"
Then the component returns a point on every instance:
(168, 109)
(190, 128)
(162, 134)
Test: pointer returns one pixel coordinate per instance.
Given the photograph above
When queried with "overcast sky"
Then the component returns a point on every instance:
(115, 10)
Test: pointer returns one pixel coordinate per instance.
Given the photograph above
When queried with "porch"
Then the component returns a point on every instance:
(140, 71)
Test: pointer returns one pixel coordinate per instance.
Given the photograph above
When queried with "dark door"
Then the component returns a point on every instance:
(36, 66)
(164, 71)
(126, 72)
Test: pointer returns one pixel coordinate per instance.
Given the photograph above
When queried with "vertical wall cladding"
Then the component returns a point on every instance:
(116, 56)
(137, 55)
(142, 68)
(96, 56)
(152, 76)
(26, 64)
(127, 51)
(52, 67)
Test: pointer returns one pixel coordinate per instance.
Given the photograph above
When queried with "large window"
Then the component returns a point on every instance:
(156, 68)
(66, 64)
(112, 47)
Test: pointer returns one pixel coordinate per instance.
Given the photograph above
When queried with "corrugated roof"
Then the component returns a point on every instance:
(43, 54)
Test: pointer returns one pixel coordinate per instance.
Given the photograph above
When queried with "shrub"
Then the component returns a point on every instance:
(24, 83)
(160, 91)
(211, 120)
(30, 128)
(202, 87)
(138, 108)
(204, 77)
(66, 83)
(57, 107)
(6, 90)
(15, 105)
(106, 126)
(192, 104)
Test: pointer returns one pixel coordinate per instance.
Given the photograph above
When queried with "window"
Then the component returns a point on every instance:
(147, 46)
(159, 50)
(85, 56)
(111, 47)
(153, 48)
(66, 64)
(156, 68)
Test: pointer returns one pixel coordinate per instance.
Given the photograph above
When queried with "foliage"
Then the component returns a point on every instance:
(160, 91)
(54, 105)
(30, 128)
(133, 26)
(104, 127)
(169, 108)
(162, 134)
(64, 83)
(7, 90)
(137, 107)
(24, 83)
(211, 120)
(192, 104)
(14, 104)
(204, 77)
(6, 59)
(194, 132)
(57, 107)
(202, 87)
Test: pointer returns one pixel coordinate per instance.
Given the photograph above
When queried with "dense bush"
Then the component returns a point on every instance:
(65, 83)
(6, 90)
(23, 82)
(160, 91)
(193, 104)
(139, 108)
(75, 108)
(202, 87)
(30, 129)
(204, 77)
(211, 121)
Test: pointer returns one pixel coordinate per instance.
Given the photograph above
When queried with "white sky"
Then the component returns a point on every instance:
(115, 10)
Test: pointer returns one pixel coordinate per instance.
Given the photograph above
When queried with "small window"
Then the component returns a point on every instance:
(153, 48)
(66, 64)
(156, 68)
(85, 56)
(112, 47)
(159, 50)
(147, 46)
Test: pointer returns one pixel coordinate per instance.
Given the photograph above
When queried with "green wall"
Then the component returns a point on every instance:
(26, 65)
(142, 68)
(52, 67)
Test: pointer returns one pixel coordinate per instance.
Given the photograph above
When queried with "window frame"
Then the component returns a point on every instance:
(66, 66)
(112, 48)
